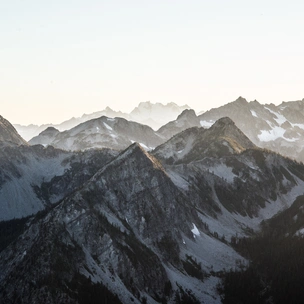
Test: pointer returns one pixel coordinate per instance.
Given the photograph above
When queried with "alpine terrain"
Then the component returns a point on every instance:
(146, 217)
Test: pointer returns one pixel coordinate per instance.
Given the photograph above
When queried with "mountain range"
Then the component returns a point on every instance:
(154, 115)
(133, 226)
(113, 211)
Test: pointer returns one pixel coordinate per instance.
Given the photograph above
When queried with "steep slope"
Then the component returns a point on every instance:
(9, 135)
(31, 178)
(103, 132)
(130, 229)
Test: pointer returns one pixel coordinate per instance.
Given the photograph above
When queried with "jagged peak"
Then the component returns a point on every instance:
(241, 100)
(224, 121)
(134, 153)
(255, 102)
(188, 113)
(136, 148)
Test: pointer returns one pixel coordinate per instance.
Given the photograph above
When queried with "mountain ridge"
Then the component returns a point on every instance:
(152, 114)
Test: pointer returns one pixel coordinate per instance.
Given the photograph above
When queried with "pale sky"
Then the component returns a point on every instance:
(60, 59)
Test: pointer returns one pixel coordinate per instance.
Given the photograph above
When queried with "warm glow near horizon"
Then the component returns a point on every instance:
(61, 59)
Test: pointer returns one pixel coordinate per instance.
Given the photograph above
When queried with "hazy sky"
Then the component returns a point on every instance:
(60, 59)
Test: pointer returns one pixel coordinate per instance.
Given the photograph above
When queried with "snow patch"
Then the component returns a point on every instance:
(253, 113)
(195, 230)
(107, 126)
(206, 124)
(280, 119)
(275, 133)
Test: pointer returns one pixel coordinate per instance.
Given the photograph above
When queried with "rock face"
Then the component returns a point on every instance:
(9, 135)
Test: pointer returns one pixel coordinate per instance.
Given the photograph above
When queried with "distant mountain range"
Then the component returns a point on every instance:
(154, 115)
(278, 128)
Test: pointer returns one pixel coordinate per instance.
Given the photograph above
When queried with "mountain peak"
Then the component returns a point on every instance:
(226, 128)
(140, 154)
(49, 130)
(241, 100)
(188, 114)
(132, 159)
(222, 122)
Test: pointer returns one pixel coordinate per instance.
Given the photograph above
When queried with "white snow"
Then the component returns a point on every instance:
(107, 126)
(301, 126)
(275, 133)
(280, 119)
(253, 113)
(206, 124)
(195, 230)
